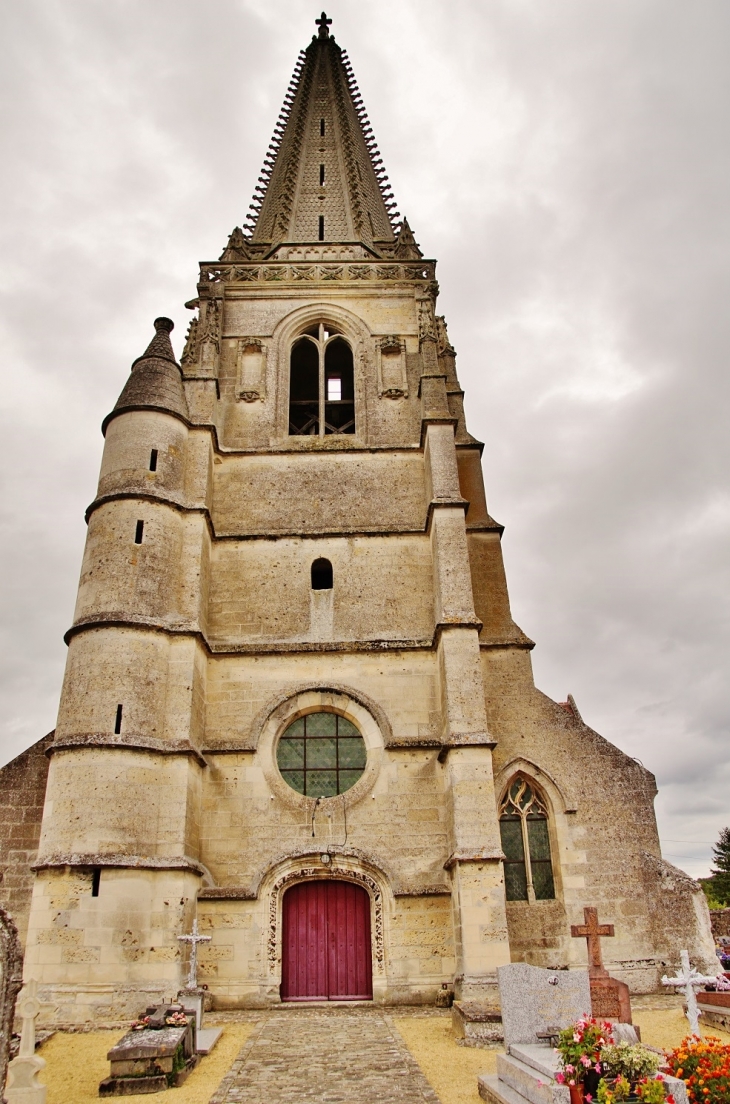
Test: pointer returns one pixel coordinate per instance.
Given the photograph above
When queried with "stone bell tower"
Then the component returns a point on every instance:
(292, 623)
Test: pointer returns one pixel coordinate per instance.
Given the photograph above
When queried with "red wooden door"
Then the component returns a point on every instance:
(326, 943)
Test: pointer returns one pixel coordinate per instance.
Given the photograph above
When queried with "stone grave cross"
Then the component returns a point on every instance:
(592, 932)
(22, 1071)
(193, 939)
(689, 980)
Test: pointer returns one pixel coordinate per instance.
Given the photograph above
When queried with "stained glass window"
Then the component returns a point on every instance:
(321, 755)
(523, 826)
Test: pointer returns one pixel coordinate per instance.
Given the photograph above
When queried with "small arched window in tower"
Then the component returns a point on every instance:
(321, 575)
(523, 827)
(322, 384)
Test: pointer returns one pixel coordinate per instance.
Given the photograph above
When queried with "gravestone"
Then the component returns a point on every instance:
(610, 998)
(11, 979)
(155, 1054)
(193, 996)
(535, 1001)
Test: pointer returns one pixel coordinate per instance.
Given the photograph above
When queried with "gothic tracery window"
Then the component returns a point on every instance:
(321, 384)
(523, 826)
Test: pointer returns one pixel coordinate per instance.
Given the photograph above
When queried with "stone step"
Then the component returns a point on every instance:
(528, 1082)
(540, 1058)
(495, 1091)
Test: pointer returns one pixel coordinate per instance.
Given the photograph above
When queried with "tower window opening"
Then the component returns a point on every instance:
(95, 881)
(339, 407)
(322, 578)
(153, 460)
(322, 384)
(321, 174)
(138, 532)
(523, 827)
(118, 721)
(321, 127)
(321, 227)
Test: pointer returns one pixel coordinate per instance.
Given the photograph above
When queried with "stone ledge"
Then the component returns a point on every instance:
(125, 743)
(132, 862)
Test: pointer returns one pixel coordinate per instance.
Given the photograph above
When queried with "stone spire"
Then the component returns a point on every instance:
(323, 178)
(155, 382)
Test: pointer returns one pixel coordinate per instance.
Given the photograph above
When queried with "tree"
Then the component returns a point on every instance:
(717, 886)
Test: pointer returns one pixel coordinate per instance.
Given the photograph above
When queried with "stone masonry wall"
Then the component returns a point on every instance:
(22, 792)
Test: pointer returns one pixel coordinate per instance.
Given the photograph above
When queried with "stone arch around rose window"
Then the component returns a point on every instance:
(367, 717)
(362, 345)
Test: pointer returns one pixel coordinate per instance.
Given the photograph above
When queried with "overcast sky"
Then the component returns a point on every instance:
(566, 162)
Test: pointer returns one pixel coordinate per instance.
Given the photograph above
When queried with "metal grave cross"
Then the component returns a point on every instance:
(689, 980)
(193, 939)
(592, 931)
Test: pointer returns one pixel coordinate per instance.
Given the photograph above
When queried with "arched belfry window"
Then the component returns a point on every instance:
(321, 384)
(523, 826)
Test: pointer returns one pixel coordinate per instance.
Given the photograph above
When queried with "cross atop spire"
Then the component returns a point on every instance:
(324, 25)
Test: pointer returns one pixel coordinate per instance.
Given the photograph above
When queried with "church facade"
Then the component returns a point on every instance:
(296, 707)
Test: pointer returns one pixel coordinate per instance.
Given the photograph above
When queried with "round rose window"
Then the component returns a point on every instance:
(321, 755)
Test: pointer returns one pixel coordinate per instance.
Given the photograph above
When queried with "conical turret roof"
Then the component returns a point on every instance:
(155, 382)
(323, 177)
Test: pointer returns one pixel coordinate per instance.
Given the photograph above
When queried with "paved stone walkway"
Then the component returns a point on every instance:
(332, 1056)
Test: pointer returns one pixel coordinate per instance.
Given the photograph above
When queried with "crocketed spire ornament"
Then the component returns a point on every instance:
(323, 178)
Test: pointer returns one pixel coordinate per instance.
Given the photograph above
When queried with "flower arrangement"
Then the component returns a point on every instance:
(141, 1023)
(580, 1048)
(704, 1066)
(629, 1060)
(176, 1019)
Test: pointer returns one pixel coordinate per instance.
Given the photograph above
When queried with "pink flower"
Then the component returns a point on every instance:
(585, 1060)
(598, 1067)
(570, 1069)
(560, 1077)
(576, 1037)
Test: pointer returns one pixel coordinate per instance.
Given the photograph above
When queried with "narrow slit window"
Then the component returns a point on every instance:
(118, 721)
(322, 575)
(321, 127)
(95, 882)
(321, 174)
(321, 227)
(138, 532)
(153, 460)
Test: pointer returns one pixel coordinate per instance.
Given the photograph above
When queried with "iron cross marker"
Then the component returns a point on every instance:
(592, 932)
(193, 939)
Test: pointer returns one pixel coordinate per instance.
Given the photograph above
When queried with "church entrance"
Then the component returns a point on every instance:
(326, 943)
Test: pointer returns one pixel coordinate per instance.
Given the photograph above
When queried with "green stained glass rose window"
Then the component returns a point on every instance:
(321, 755)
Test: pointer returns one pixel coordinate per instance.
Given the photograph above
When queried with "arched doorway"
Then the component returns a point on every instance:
(326, 942)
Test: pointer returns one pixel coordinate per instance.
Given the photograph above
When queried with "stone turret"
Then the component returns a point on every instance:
(155, 382)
